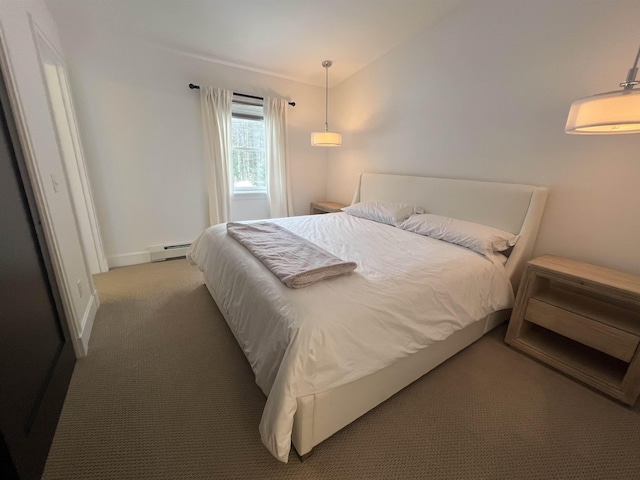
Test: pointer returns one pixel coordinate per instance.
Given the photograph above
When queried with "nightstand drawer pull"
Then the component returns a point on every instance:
(614, 342)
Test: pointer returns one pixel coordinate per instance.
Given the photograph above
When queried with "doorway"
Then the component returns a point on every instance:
(64, 119)
(36, 354)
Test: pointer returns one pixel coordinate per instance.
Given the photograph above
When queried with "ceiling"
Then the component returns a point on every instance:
(288, 38)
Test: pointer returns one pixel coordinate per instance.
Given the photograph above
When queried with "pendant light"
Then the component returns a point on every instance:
(608, 113)
(326, 138)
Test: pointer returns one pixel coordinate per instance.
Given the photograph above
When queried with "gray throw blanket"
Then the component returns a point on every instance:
(297, 262)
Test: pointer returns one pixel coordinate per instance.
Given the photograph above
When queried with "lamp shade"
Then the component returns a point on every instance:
(606, 113)
(326, 139)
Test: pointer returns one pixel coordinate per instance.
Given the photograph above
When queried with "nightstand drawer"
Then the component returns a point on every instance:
(605, 338)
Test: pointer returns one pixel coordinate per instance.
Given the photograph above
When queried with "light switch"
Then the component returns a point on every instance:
(55, 183)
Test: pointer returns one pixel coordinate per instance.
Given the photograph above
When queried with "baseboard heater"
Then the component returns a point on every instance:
(160, 253)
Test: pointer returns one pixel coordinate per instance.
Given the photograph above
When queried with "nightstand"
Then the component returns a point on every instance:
(583, 320)
(325, 207)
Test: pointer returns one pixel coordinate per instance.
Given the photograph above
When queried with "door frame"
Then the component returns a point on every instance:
(79, 338)
(81, 196)
(31, 447)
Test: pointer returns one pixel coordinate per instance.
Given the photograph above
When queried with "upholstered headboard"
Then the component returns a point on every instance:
(510, 207)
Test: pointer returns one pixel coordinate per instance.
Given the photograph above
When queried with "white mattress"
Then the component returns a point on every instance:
(407, 292)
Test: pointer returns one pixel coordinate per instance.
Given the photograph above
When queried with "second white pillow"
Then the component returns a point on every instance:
(487, 241)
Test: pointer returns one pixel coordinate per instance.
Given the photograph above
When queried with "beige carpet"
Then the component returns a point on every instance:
(166, 393)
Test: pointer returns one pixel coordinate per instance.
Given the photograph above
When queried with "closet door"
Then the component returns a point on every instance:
(36, 356)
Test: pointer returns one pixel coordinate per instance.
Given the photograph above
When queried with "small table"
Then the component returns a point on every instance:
(583, 320)
(325, 207)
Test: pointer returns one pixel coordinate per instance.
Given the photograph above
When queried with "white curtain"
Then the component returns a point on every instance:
(216, 120)
(275, 124)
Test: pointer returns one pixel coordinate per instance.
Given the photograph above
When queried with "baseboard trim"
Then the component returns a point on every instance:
(81, 344)
(126, 259)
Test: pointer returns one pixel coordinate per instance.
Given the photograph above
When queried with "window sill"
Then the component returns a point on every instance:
(249, 195)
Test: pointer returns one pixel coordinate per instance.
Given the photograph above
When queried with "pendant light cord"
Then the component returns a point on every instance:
(635, 64)
(326, 98)
(326, 138)
(631, 81)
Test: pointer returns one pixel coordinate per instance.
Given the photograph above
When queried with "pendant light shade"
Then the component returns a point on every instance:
(326, 138)
(608, 113)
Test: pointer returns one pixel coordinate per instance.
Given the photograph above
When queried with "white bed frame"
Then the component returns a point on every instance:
(510, 207)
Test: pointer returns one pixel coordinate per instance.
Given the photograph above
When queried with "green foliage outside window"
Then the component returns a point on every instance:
(248, 151)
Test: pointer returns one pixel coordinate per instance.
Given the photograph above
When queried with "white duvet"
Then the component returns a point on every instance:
(407, 292)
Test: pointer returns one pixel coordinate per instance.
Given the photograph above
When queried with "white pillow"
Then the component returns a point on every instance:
(383, 212)
(487, 241)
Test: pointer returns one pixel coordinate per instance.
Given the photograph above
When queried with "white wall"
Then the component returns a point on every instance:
(484, 94)
(23, 74)
(142, 134)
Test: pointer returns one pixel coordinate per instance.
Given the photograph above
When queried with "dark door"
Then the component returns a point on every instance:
(36, 356)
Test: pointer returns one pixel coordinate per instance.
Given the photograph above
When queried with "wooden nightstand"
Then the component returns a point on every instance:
(583, 320)
(325, 207)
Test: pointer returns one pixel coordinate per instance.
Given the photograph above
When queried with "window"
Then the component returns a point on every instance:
(248, 148)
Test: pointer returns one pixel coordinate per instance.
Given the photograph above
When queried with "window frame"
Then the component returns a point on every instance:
(247, 192)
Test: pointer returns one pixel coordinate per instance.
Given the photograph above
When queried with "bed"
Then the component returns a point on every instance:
(326, 354)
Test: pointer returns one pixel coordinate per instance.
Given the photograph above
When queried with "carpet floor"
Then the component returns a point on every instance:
(166, 393)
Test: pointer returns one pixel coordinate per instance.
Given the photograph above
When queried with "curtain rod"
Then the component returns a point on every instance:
(193, 86)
